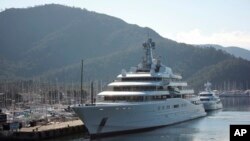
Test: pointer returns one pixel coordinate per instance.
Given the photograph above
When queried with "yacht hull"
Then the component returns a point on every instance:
(208, 106)
(101, 119)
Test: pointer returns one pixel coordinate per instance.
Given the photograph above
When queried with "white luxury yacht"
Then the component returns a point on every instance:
(209, 99)
(148, 96)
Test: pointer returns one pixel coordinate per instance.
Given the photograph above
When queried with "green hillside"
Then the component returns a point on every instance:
(49, 42)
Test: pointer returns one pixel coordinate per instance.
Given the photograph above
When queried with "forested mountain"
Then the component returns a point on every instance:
(236, 51)
(230, 71)
(48, 42)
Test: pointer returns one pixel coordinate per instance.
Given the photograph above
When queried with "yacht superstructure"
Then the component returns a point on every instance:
(209, 99)
(149, 95)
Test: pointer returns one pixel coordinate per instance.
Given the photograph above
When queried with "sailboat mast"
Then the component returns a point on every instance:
(81, 83)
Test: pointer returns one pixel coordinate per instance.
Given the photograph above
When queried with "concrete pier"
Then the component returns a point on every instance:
(40, 132)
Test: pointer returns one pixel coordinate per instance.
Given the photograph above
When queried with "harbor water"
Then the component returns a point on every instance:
(213, 127)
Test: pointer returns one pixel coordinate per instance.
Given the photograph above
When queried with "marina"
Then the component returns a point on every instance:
(235, 93)
(206, 128)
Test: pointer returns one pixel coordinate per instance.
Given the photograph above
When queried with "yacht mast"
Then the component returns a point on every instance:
(148, 59)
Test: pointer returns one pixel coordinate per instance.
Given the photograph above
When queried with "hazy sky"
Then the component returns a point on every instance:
(224, 22)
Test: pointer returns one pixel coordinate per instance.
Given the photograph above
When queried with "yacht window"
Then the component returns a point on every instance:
(176, 106)
(137, 88)
(124, 98)
(159, 97)
(195, 102)
(142, 79)
(204, 99)
(135, 98)
(206, 94)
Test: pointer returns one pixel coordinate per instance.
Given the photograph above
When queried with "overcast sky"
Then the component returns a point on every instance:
(224, 22)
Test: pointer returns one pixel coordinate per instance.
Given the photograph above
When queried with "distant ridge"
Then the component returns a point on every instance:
(236, 51)
(48, 43)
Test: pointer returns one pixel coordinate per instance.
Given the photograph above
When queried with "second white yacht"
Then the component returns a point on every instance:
(209, 99)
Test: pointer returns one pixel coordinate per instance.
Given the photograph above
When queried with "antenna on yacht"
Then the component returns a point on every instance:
(148, 46)
(208, 86)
